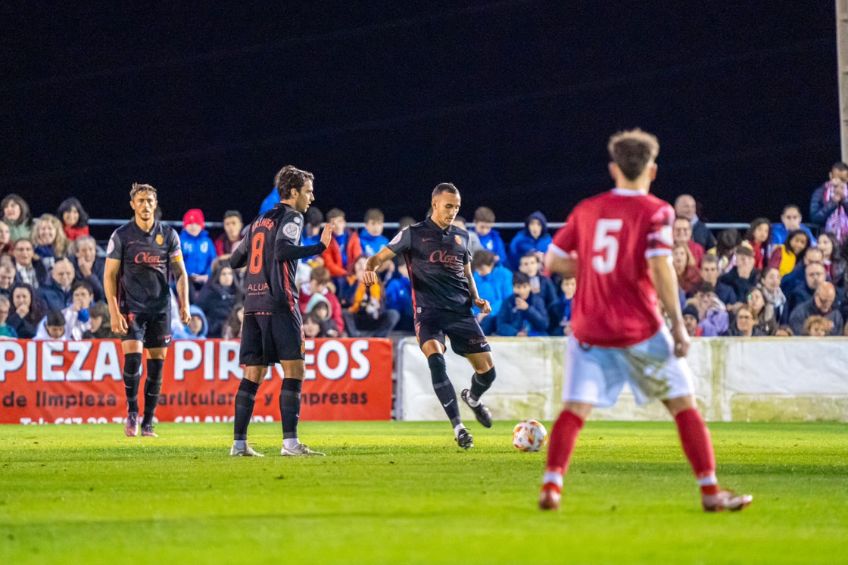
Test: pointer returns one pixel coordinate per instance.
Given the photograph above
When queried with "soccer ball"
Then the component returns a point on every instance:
(529, 435)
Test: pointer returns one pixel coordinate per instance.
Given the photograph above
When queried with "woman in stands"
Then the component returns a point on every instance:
(49, 240)
(725, 250)
(14, 211)
(217, 298)
(773, 295)
(762, 311)
(688, 274)
(758, 235)
(834, 264)
(785, 256)
(74, 218)
(27, 311)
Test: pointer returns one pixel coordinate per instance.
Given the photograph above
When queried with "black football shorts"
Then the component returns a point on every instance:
(464, 332)
(153, 330)
(268, 338)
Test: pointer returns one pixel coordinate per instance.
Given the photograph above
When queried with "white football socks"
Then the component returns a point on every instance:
(290, 442)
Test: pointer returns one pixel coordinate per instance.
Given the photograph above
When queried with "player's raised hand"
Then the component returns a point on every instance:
(483, 305)
(119, 325)
(681, 340)
(370, 277)
(185, 315)
(327, 234)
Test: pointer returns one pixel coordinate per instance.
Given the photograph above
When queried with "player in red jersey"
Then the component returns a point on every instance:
(619, 246)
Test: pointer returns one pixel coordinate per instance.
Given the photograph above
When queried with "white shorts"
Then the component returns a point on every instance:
(596, 375)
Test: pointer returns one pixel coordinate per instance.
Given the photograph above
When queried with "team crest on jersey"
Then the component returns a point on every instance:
(160, 239)
(457, 239)
(291, 230)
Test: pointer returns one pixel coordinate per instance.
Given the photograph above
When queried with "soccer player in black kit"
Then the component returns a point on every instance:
(443, 292)
(271, 331)
(140, 258)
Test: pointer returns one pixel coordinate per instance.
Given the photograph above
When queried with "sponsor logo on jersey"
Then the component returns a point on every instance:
(145, 258)
(441, 256)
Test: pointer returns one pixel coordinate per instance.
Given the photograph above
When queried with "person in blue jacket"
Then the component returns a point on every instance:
(489, 280)
(490, 239)
(523, 313)
(197, 247)
(371, 237)
(534, 237)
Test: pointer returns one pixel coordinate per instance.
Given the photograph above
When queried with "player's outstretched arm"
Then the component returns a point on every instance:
(110, 289)
(286, 250)
(374, 262)
(665, 281)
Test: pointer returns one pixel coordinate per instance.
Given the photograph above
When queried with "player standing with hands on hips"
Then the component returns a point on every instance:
(443, 292)
(140, 258)
(271, 331)
(619, 245)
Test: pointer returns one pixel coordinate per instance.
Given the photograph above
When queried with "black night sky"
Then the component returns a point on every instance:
(512, 100)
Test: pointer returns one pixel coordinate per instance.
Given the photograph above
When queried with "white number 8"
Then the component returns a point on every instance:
(606, 244)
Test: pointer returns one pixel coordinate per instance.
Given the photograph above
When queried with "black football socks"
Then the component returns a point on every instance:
(245, 399)
(443, 388)
(132, 374)
(152, 386)
(290, 407)
(481, 382)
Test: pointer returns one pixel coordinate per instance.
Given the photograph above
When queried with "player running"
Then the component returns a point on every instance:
(140, 258)
(443, 292)
(271, 330)
(619, 245)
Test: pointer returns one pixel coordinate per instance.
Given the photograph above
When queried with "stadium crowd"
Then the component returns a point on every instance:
(775, 279)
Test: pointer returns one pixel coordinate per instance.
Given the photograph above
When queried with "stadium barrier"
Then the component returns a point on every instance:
(754, 379)
(74, 382)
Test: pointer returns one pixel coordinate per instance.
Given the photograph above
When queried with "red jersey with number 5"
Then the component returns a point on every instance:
(613, 235)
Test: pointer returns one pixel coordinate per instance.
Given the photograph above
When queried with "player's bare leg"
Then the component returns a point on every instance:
(698, 448)
(152, 386)
(562, 439)
(132, 375)
(245, 399)
(294, 372)
(434, 351)
(481, 381)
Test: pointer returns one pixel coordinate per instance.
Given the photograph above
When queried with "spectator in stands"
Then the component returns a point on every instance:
(57, 292)
(712, 312)
(690, 320)
(198, 248)
(14, 211)
(725, 249)
(533, 238)
(371, 237)
(312, 326)
(688, 275)
(399, 297)
(774, 296)
(796, 277)
(74, 218)
(29, 269)
(28, 311)
(52, 327)
(6, 244)
(313, 218)
(197, 326)
(814, 276)
(319, 283)
(832, 259)
(218, 297)
(232, 328)
(367, 315)
(490, 287)
(78, 314)
(490, 238)
(559, 313)
(741, 278)
(319, 307)
(474, 244)
(786, 255)
(763, 312)
(743, 324)
(100, 322)
(344, 247)
(686, 207)
(682, 233)
(87, 265)
(710, 275)
(531, 265)
(758, 236)
(6, 331)
(48, 239)
(523, 313)
(233, 224)
(817, 326)
(790, 221)
(822, 304)
(829, 203)
(7, 280)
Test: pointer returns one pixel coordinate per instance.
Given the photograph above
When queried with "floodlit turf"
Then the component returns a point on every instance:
(402, 493)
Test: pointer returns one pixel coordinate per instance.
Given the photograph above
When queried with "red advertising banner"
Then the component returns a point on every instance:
(77, 382)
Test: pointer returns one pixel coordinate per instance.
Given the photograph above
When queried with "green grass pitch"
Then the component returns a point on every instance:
(393, 492)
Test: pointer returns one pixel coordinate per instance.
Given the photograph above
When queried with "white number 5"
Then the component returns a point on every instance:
(606, 244)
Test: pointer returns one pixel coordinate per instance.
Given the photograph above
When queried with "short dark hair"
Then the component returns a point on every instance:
(140, 187)
(314, 216)
(320, 274)
(82, 284)
(632, 150)
(444, 187)
(531, 253)
(484, 214)
(839, 166)
(788, 206)
(55, 318)
(519, 278)
(69, 203)
(375, 215)
(291, 178)
(335, 213)
(233, 214)
(709, 258)
(482, 258)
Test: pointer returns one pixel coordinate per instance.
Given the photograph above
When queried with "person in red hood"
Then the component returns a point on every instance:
(344, 248)
(319, 283)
